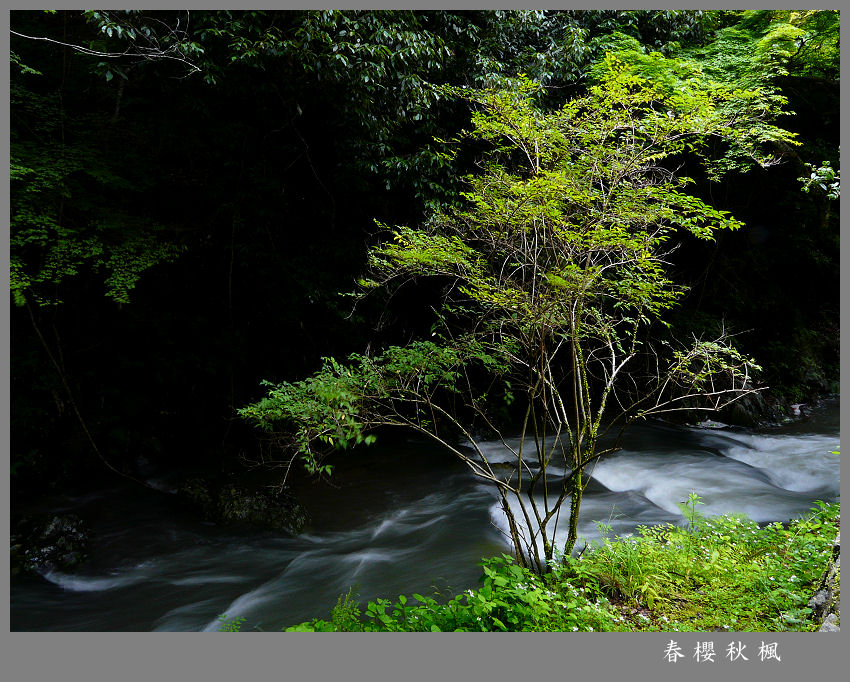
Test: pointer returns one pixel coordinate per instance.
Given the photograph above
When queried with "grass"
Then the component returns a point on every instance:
(725, 572)
(720, 573)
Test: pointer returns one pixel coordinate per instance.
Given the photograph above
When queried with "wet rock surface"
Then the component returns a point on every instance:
(274, 508)
(750, 410)
(826, 601)
(45, 543)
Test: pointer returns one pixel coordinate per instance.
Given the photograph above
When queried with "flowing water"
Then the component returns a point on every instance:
(403, 519)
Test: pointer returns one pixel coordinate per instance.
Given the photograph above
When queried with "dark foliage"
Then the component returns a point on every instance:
(184, 216)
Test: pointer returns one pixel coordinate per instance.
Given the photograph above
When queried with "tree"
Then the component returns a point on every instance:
(132, 144)
(549, 279)
(74, 195)
(144, 37)
(81, 218)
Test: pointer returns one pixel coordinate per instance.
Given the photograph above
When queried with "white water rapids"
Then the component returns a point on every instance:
(403, 519)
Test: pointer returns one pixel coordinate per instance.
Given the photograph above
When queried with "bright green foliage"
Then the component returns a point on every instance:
(698, 366)
(720, 572)
(824, 178)
(738, 78)
(510, 598)
(230, 624)
(71, 207)
(753, 53)
(797, 42)
(555, 269)
(723, 572)
(336, 407)
(689, 510)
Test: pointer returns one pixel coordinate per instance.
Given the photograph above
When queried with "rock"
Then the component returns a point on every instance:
(825, 602)
(273, 508)
(197, 492)
(819, 604)
(40, 544)
(710, 424)
(830, 624)
(749, 410)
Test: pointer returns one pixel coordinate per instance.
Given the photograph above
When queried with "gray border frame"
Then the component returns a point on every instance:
(303, 656)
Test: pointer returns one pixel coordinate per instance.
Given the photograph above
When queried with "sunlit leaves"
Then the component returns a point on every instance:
(338, 406)
(561, 236)
(824, 179)
(72, 211)
(723, 80)
(423, 251)
(698, 365)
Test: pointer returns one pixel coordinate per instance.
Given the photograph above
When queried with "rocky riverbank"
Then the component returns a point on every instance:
(45, 542)
(826, 601)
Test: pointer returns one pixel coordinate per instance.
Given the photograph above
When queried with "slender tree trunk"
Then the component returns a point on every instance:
(575, 504)
(514, 532)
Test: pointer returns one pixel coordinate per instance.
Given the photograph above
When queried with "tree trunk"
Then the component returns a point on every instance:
(575, 505)
(516, 539)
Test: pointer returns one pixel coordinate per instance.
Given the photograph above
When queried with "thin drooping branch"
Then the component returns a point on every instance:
(171, 53)
(63, 378)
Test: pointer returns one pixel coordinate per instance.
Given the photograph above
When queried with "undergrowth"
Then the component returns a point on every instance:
(724, 572)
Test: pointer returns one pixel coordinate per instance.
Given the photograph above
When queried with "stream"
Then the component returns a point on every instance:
(402, 519)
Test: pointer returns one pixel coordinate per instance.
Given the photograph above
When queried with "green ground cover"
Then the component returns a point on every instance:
(719, 573)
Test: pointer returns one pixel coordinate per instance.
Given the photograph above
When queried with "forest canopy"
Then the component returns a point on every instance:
(193, 194)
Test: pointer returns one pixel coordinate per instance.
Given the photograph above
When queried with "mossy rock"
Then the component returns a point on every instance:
(197, 492)
(274, 508)
(750, 410)
(46, 543)
(825, 604)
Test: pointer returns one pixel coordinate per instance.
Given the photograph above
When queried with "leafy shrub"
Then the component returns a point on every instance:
(230, 624)
(724, 571)
(511, 598)
(720, 572)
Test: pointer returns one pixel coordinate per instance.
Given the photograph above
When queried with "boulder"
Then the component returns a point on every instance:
(267, 508)
(830, 624)
(275, 508)
(826, 601)
(46, 543)
(749, 410)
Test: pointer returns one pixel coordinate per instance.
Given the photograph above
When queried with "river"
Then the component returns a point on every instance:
(402, 519)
